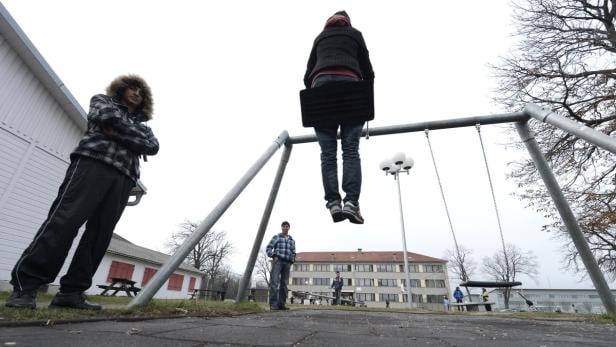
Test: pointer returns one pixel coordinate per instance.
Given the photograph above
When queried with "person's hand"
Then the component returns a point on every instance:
(274, 258)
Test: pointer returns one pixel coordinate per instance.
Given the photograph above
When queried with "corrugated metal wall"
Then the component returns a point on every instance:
(36, 138)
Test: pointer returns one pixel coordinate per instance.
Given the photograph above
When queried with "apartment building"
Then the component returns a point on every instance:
(373, 277)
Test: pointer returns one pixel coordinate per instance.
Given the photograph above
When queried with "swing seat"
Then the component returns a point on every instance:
(337, 102)
(488, 284)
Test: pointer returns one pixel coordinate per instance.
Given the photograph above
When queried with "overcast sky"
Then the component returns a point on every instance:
(226, 76)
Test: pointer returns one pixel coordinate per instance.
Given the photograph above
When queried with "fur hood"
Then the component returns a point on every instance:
(118, 85)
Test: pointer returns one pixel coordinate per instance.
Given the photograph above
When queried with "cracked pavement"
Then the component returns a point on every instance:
(319, 328)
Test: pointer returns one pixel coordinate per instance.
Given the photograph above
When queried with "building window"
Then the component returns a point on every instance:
(191, 284)
(435, 284)
(348, 282)
(386, 268)
(414, 283)
(433, 268)
(391, 297)
(412, 268)
(147, 275)
(416, 297)
(175, 282)
(119, 269)
(300, 281)
(364, 282)
(320, 267)
(301, 267)
(387, 283)
(364, 268)
(364, 296)
(320, 281)
(342, 267)
(434, 299)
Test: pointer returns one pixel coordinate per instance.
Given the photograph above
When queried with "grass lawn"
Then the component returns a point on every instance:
(114, 308)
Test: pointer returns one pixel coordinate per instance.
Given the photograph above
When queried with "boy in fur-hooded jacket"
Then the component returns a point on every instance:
(104, 168)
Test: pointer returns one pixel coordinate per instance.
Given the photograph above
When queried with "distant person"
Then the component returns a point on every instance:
(337, 285)
(223, 289)
(387, 302)
(446, 303)
(339, 54)
(282, 251)
(459, 296)
(486, 298)
(104, 168)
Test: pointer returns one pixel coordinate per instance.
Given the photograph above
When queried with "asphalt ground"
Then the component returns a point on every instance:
(303, 327)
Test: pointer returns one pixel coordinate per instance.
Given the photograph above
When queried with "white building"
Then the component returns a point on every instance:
(373, 277)
(40, 124)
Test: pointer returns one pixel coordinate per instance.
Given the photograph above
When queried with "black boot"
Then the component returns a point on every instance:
(21, 299)
(72, 300)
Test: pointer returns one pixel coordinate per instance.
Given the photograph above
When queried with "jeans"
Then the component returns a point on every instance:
(279, 281)
(351, 163)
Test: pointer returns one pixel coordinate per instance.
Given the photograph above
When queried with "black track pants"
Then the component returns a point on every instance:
(91, 192)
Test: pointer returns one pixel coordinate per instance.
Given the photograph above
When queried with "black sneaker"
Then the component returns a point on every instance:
(283, 308)
(21, 299)
(274, 308)
(335, 209)
(351, 212)
(72, 300)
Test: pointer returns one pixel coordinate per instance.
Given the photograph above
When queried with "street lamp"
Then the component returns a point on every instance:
(394, 166)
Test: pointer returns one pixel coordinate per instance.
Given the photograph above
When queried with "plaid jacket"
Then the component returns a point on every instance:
(281, 248)
(126, 139)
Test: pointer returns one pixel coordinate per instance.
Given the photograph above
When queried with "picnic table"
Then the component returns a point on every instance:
(120, 284)
(472, 306)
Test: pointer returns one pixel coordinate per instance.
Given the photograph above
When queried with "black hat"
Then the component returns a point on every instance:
(343, 13)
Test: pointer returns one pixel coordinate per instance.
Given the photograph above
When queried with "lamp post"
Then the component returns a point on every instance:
(394, 166)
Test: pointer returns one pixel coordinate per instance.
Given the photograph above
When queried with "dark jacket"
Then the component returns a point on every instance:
(337, 283)
(339, 47)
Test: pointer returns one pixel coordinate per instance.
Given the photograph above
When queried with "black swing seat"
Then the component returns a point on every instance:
(488, 284)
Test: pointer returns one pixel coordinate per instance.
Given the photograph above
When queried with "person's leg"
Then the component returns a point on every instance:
(285, 270)
(274, 282)
(326, 136)
(98, 233)
(77, 198)
(351, 170)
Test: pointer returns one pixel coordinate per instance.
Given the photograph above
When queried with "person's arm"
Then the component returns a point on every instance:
(270, 247)
(293, 254)
(312, 60)
(364, 60)
(138, 138)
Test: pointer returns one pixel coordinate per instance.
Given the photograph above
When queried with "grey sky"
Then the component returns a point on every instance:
(226, 77)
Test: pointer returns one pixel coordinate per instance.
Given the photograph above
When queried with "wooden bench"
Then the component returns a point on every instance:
(472, 306)
(211, 294)
(120, 284)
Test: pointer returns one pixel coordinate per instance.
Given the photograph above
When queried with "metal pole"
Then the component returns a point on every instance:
(406, 258)
(176, 259)
(245, 281)
(432, 125)
(567, 217)
(589, 134)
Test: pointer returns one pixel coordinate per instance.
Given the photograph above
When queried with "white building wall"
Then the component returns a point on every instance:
(100, 277)
(36, 138)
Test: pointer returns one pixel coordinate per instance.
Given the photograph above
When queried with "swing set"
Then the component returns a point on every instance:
(519, 118)
(467, 282)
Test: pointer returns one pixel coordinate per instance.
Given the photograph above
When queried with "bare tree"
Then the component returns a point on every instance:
(263, 267)
(507, 267)
(565, 61)
(208, 255)
(461, 264)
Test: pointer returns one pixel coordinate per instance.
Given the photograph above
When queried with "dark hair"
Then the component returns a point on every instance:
(285, 223)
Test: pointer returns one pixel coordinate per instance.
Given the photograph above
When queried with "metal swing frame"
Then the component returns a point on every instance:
(519, 118)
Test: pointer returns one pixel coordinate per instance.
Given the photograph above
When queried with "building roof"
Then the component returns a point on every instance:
(363, 256)
(122, 247)
(22, 45)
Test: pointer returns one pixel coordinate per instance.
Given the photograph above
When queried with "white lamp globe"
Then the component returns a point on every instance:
(408, 163)
(398, 158)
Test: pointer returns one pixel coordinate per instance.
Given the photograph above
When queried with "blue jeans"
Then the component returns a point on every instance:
(279, 281)
(351, 163)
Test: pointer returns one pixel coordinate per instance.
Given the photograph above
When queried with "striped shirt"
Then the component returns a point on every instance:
(282, 248)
